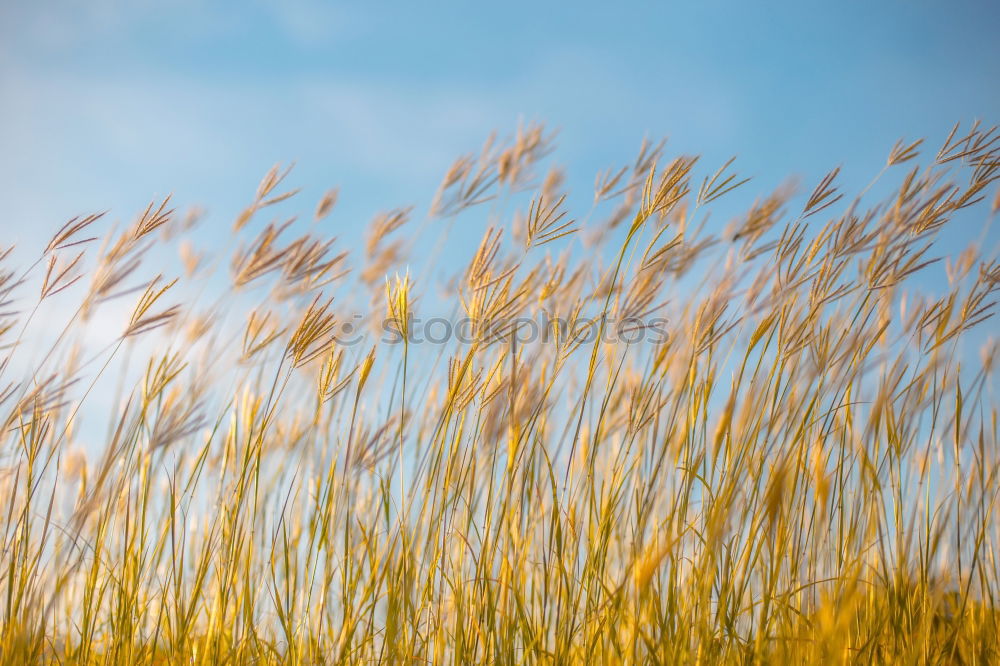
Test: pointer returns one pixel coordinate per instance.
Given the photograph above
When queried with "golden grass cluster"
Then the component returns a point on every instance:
(805, 470)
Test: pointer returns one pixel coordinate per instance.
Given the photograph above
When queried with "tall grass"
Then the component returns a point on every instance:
(804, 469)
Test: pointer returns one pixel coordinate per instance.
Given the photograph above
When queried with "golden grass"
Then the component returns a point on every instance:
(804, 470)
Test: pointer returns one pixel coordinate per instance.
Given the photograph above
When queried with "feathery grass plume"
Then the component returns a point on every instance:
(309, 266)
(314, 335)
(64, 238)
(801, 467)
(142, 320)
(713, 188)
(545, 224)
(264, 196)
(60, 277)
(120, 259)
(397, 298)
(326, 203)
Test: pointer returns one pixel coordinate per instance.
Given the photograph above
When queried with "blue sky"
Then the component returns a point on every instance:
(107, 104)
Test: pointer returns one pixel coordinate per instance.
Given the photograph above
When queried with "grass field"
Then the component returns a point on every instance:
(773, 442)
